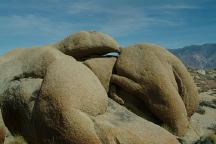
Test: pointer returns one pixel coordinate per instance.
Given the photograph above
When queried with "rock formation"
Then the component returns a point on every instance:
(87, 43)
(17, 107)
(160, 80)
(20, 82)
(49, 94)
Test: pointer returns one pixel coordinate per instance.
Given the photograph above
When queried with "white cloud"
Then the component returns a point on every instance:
(21, 24)
(83, 7)
(121, 25)
(174, 7)
(124, 19)
(118, 21)
(17, 25)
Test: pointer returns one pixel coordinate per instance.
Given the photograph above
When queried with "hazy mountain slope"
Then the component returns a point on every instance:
(197, 56)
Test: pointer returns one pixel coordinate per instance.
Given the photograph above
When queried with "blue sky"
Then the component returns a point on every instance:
(169, 23)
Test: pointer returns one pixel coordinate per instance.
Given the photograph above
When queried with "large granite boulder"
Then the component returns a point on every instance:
(86, 43)
(49, 97)
(72, 83)
(20, 82)
(158, 79)
(18, 104)
(71, 110)
(69, 93)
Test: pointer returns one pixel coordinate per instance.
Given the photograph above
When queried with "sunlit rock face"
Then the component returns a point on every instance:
(154, 76)
(66, 93)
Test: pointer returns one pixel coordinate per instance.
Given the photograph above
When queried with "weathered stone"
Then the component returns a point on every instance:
(87, 43)
(30, 63)
(161, 81)
(70, 93)
(20, 79)
(120, 126)
(18, 104)
(102, 68)
(49, 97)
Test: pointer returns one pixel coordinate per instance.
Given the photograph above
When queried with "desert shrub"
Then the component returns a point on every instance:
(17, 140)
(213, 127)
(200, 110)
(210, 104)
(210, 139)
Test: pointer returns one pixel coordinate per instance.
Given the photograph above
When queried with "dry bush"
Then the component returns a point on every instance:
(210, 104)
(210, 139)
(17, 140)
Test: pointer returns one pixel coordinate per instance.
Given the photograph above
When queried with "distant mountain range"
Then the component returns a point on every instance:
(197, 56)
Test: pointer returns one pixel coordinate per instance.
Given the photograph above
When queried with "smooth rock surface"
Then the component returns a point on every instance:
(20, 80)
(48, 96)
(70, 93)
(161, 81)
(120, 126)
(102, 68)
(87, 43)
(18, 105)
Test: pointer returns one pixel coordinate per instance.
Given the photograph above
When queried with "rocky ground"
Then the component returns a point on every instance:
(203, 122)
(205, 79)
